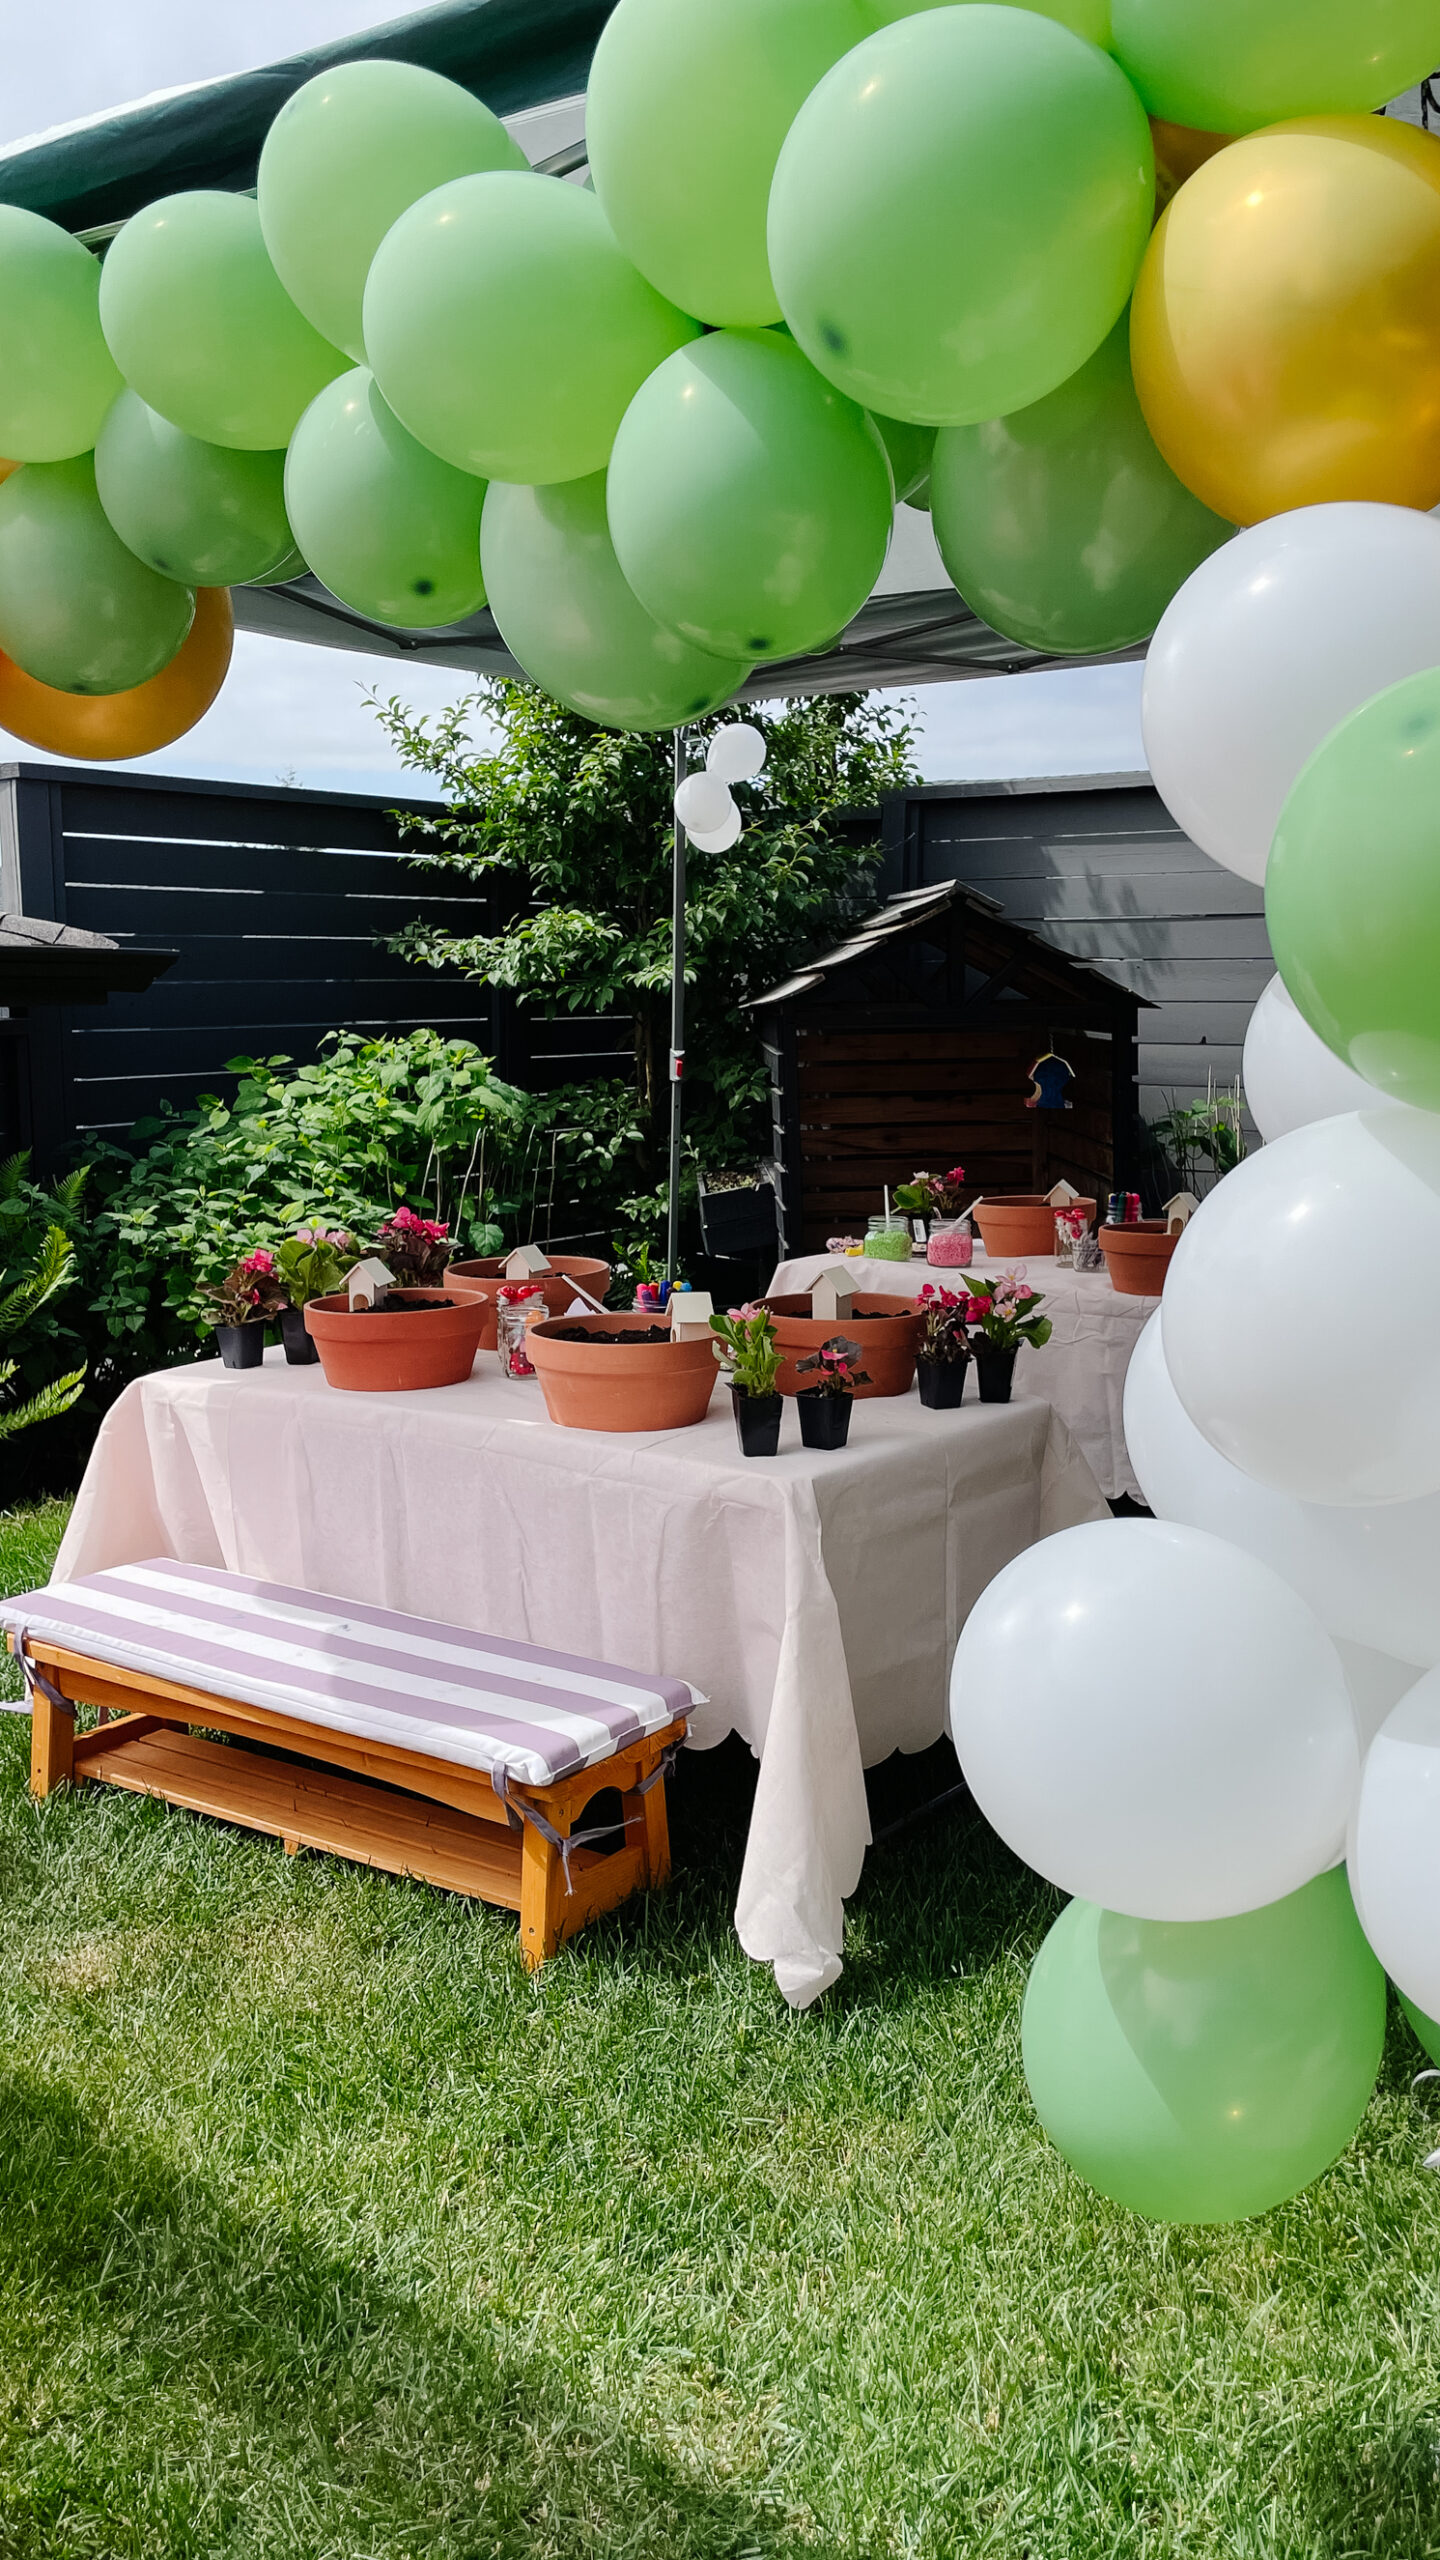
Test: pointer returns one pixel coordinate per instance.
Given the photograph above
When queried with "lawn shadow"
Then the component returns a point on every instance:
(1373, 2494)
(283, 2380)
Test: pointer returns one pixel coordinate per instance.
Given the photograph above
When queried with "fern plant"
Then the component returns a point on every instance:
(52, 1271)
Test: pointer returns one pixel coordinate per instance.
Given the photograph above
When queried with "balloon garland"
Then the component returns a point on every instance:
(840, 254)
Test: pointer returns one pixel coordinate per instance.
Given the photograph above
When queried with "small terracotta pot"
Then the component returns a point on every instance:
(486, 1275)
(888, 1344)
(390, 1349)
(1138, 1257)
(1016, 1222)
(621, 1386)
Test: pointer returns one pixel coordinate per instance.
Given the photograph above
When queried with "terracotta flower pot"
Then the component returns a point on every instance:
(621, 1386)
(888, 1334)
(486, 1274)
(1020, 1222)
(394, 1348)
(1138, 1257)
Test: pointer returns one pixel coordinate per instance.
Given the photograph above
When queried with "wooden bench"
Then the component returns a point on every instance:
(405, 1743)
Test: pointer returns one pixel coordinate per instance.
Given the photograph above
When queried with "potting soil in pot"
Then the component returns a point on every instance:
(582, 1333)
(397, 1303)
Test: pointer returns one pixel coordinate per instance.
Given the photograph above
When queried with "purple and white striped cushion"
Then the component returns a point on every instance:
(445, 1691)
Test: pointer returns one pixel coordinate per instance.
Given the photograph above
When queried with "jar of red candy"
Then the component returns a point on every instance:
(515, 1303)
(950, 1244)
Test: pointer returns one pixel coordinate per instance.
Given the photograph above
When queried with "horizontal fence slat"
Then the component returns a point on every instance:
(153, 915)
(99, 862)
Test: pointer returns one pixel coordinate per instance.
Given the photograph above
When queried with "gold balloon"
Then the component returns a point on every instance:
(1285, 330)
(108, 727)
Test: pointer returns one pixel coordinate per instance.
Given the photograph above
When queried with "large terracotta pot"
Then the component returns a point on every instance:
(888, 1342)
(620, 1386)
(1138, 1257)
(385, 1350)
(487, 1274)
(1018, 1222)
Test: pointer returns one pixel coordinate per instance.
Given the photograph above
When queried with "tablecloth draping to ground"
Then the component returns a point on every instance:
(814, 1598)
(1081, 1370)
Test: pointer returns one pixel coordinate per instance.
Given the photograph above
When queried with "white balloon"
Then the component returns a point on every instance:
(1394, 1844)
(717, 839)
(1377, 1683)
(1299, 1316)
(1290, 1077)
(1267, 647)
(736, 751)
(703, 800)
(1372, 1576)
(1155, 1721)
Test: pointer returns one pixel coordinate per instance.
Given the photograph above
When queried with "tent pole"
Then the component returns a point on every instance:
(677, 1023)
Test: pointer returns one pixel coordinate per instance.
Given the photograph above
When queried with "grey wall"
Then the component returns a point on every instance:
(1101, 869)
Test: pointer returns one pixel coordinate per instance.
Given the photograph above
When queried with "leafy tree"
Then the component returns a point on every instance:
(571, 828)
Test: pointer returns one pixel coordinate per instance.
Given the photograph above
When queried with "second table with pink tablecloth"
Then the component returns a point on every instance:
(1081, 1371)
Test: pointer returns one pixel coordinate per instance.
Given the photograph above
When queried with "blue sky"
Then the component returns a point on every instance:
(293, 712)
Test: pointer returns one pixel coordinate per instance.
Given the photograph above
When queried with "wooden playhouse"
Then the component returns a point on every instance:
(911, 1047)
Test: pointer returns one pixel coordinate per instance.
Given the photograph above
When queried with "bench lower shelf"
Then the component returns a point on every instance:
(312, 1808)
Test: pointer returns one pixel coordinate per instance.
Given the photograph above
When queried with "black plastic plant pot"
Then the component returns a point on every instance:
(736, 1223)
(995, 1369)
(242, 1346)
(757, 1423)
(824, 1419)
(300, 1346)
(942, 1382)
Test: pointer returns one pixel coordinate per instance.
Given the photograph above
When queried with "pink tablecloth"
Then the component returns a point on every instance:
(815, 1598)
(1081, 1371)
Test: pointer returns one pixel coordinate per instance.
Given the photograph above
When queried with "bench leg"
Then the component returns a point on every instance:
(542, 1888)
(52, 1745)
(647, 1822)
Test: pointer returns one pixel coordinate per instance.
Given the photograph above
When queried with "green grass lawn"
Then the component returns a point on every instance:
(325, 2234)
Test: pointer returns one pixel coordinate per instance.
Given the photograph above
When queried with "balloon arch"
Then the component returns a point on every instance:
(1094, 285)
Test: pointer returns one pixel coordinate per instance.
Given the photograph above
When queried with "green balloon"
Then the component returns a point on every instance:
(385, 525)
(507, 330)
(1061, 525)
(750, 504)
(565, 612)
(1427, 2029)
(196, 512)
(910, 450)
(1352, 891)
(57, 376)
(1204, 2070)
(77, 609)
(1087, 18)
(688, 104)
(958, 213)
(292, 566)
(344, 158)
(1230, 65)
(201, 326)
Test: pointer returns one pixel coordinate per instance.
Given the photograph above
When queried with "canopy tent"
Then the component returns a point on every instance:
(528, 59)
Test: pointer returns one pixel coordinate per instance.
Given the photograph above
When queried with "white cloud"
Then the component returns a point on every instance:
(1060, 721)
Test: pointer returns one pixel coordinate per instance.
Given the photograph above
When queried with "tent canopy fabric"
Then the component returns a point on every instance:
(512, 53)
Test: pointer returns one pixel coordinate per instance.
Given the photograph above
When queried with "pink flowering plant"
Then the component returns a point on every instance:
(932, 1195)
(836, 1368)
(251, 1293)
(414, 1250)
(746, 1349)
(1002, 1310)
(944, 1337)
(313, 1262)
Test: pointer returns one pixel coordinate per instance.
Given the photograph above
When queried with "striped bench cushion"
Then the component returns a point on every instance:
(473, 1699)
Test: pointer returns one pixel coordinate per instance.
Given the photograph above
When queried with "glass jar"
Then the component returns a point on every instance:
(951, 1244)
(888, 1239)
(516, 1303)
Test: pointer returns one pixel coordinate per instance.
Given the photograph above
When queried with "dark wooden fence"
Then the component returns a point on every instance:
(1099, 867)
(278, 904)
